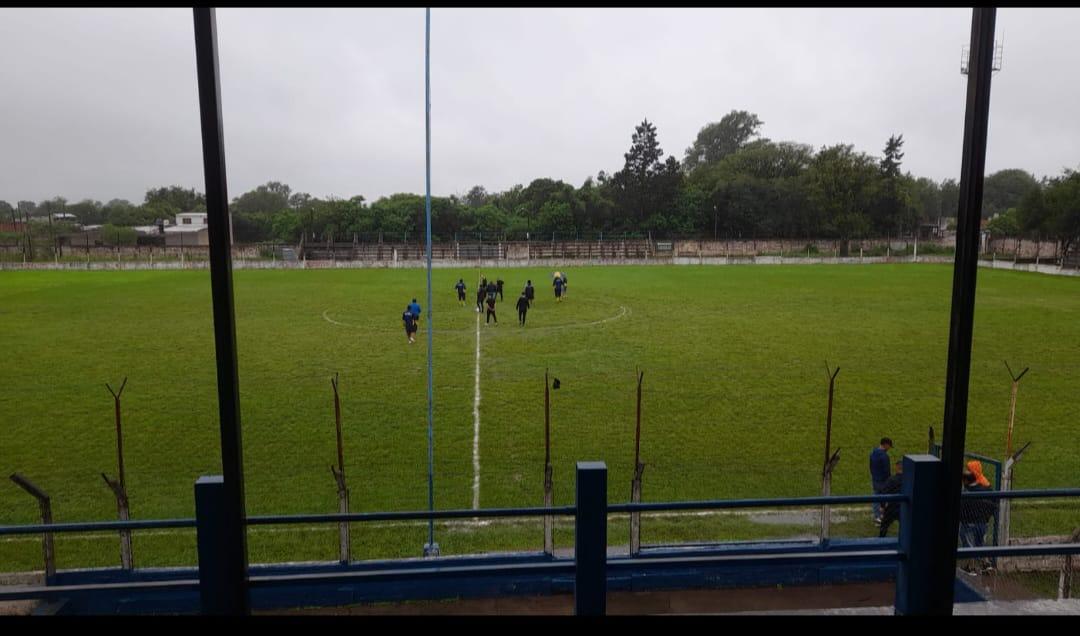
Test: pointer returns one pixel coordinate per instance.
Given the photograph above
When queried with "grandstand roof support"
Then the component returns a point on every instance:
(973, 164)
(233, 542)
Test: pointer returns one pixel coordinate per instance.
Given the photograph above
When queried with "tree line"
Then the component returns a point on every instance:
(731, 183)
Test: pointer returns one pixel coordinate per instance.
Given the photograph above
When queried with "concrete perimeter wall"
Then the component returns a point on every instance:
(560, 263)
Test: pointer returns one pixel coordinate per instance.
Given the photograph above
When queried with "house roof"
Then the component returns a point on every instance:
(184, 229)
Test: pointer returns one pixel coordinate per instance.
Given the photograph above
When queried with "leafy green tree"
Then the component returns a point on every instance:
(539, 193)
(175, 197)
(55, 205)
(1062, 198)
(1033, 215)
(251, 228)
(749, 193)
(89, 212)
(925, 196)
(1004, 189)
(719, 139)
(556, 218)
(841, 186)
(269, 198)
(286, 226)
(7, 211)
(299, 199)
(597, 210)
(476, 197)
(158, 209)
(399, 214)
(1005, 224)
(27, 208)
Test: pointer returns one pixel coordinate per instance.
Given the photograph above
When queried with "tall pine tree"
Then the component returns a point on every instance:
(646, 187)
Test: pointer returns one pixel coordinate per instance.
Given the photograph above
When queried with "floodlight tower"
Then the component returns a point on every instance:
(965, 55)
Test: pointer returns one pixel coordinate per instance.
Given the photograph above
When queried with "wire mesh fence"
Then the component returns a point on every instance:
(1031, 522)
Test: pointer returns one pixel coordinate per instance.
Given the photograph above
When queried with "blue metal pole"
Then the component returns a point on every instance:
(923, 479)
(211, 512)
(431, 549)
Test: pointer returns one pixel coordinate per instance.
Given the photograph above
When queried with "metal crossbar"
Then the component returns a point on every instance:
(721, 504)
(1021, 494)
(565, 511)
(411, 515)
(94, 526)
(1040, 549)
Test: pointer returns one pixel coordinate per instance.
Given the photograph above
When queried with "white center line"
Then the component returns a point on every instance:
(476, 424)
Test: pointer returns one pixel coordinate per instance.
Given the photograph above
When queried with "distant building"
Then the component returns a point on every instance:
(65, 217)
(190, 229)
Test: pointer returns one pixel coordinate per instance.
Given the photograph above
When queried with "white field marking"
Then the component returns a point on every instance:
(327, 318)
(468, 523)
(476, 425)
(623, 311)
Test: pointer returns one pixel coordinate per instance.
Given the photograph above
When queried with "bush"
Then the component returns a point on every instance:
(118, 235)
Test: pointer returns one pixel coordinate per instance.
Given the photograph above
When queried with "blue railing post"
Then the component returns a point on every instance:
(590, 540)
(214, 561)
(923, 478)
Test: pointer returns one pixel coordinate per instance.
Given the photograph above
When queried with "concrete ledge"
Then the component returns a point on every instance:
(401, 586)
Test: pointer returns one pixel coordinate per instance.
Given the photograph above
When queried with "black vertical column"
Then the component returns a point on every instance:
(590, 540)
(973, 166)
(234, 542)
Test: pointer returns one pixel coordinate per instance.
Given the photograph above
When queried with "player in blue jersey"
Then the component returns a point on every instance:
(460, 287)
(414, 309)
(410, 324)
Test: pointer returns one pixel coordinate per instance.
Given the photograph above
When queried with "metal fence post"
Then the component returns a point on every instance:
(45, 504)
(590, 540)
(923, 478)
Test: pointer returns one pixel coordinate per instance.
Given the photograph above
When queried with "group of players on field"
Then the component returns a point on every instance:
(486, 293)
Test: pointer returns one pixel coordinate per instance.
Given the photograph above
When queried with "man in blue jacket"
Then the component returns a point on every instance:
(414, 309)
(880, 472)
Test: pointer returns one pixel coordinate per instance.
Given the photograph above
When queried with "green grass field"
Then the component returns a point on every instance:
(734, 400)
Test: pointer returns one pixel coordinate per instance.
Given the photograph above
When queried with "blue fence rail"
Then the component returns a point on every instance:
(590, 566)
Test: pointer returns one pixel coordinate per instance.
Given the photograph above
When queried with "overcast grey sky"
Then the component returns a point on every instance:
(101, 103)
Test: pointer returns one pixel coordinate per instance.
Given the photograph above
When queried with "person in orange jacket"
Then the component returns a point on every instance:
(975, 466)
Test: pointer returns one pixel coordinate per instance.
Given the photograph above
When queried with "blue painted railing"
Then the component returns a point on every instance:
(589, 567)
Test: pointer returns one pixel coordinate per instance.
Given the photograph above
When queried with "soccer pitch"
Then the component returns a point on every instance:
(734, 395)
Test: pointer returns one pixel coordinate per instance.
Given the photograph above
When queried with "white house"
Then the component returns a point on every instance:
(190, 229)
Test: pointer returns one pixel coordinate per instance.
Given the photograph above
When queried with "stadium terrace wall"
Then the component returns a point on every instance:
(1042, 268)
(1001, 254)
(403, 581)
(1025, 249)
(528, 250)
